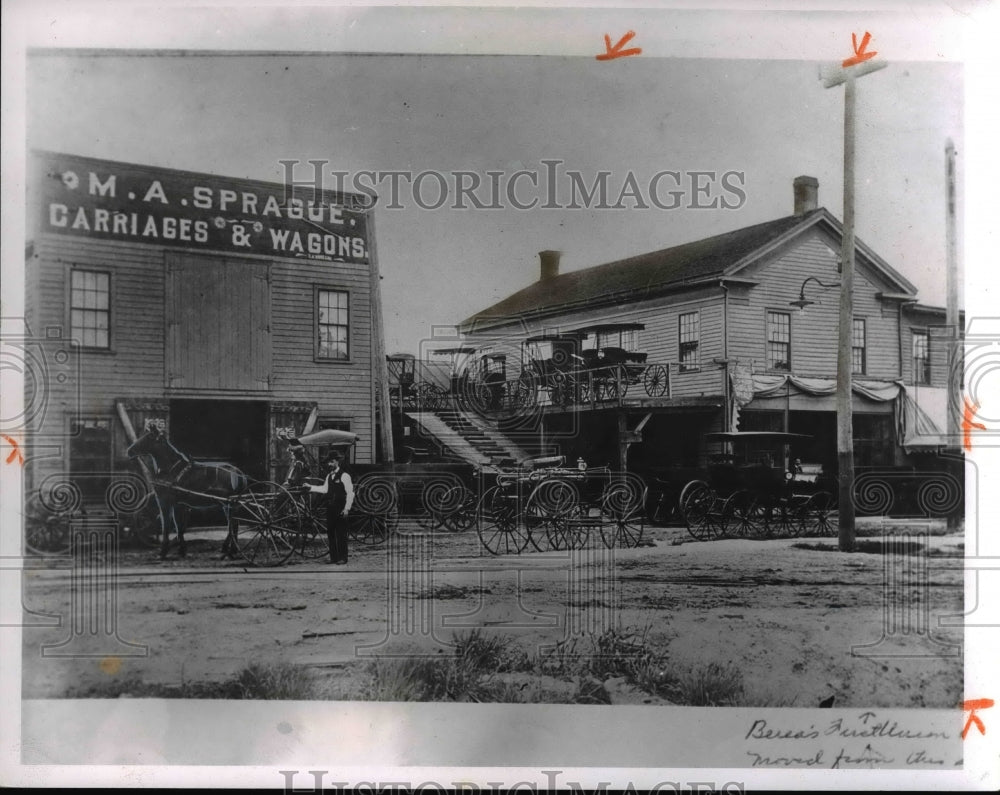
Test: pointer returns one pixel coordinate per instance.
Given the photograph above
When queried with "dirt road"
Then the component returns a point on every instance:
(801, 624)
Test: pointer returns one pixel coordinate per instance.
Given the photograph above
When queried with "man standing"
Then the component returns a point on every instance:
(340, 496)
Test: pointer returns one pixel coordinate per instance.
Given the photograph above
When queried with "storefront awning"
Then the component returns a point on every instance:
(923, 414)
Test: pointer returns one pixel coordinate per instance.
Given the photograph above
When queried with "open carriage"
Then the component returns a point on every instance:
(610, 365)
(551, 506)
(755, 489)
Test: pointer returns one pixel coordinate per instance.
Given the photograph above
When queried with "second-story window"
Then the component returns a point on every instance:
(333, 326)
(688, 333)
(921, 358)
(779, 341)
(859, 359)
(90, 308)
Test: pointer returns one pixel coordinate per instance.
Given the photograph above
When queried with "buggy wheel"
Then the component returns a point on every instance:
(462, 509)
(654, 380)
(498, 524)
(697, 501)
(608, 388)
(375, 514)
(312, 541)
(785, 520)
(622, 533)
(264, 523)
(553, 508)
(819, 515)
(622, 514)
(744, 515)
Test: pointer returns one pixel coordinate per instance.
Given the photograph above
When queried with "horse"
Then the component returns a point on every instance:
(177, 480)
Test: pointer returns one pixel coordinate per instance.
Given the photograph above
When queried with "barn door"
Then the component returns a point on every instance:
(287, 419)
(218, 323)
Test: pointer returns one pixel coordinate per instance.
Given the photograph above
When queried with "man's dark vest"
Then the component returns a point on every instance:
(336, 493)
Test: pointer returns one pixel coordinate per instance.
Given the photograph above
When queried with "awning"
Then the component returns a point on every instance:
(924, 412)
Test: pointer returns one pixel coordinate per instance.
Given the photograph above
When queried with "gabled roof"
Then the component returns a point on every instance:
(648, 275)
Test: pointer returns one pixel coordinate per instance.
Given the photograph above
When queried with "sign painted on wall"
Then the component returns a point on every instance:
(143, 204)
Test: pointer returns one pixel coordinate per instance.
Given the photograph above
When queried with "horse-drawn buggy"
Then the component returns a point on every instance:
(551, 363)
(754, 489)
(551, 506)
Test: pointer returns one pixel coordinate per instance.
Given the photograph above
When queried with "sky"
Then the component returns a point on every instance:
(239, 111)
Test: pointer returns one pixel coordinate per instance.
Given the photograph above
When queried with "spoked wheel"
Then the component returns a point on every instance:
(554, 508)
(623, 510)
(375, 514)
(697, 502)
(48, 524)
(744, 515)
(461, 504)
(264, 521)
(312, 541)
(498, 523)
(819, 516)
(427, 397)
(608, 388)
(784, 519)
(435, 505)
(654, 380)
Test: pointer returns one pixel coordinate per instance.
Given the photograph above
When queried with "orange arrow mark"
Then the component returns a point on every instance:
(971, 707)
(15, 453)
(968, 425)
(859, 52)
(617, 51)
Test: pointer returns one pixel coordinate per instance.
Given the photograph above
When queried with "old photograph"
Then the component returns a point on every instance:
(474, 388)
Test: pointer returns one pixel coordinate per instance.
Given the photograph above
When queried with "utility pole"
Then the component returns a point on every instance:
(847, 73)
(952, 317)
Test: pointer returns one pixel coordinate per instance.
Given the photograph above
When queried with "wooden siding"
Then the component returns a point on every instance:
(938, 342)
(135, 365)
(659, 338)
(813, 329)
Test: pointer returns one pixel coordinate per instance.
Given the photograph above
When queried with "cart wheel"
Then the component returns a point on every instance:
(609, 388)
(312, 541)
(48, 521)
(696, 504)
(498, 524)
(743, 515)
(375, 514)
(784, 519)
(819, 515)
(265, 521)
(622, 513)
(434, 505)
(554, 508)
(654, 380)
(461, 504)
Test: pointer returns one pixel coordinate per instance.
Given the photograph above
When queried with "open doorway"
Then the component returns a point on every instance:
(234, 431)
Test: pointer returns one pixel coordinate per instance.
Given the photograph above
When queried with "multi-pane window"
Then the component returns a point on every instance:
(332, 325)
(90, 308)
(90, 455)
(687, 334)
(858, 349)
(779, 341)
(921, 358)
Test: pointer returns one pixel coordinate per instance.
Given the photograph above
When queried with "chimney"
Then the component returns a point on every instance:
(550, 264)
(806, 191)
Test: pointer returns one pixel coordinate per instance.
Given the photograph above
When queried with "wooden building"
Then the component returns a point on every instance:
(223, 309)
(724, 318)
